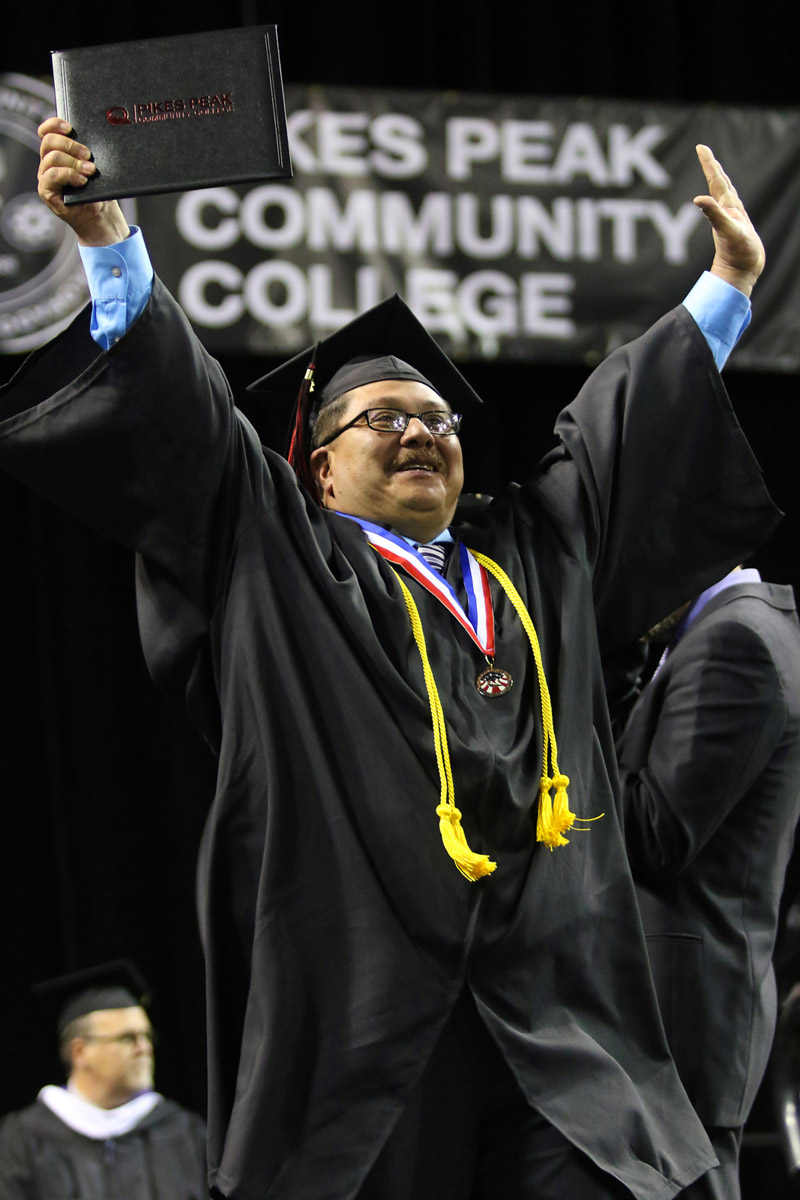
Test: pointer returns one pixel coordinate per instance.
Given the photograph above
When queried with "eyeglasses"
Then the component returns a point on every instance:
(395, 420)
(129, 1038)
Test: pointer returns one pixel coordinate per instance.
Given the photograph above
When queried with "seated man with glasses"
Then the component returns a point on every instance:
(107, 1133)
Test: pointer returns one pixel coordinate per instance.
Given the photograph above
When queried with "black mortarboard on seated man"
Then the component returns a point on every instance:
(386, 342)
(116, 984)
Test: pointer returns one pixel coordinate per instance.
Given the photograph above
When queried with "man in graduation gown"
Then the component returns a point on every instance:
(107, 1133)
(380, 1025)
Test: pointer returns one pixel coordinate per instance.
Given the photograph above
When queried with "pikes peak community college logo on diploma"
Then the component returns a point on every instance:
(178, 109)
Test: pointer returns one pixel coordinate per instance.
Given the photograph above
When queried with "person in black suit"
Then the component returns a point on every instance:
(710, 771)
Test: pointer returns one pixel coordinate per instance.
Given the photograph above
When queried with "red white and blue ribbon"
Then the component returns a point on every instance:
(478, 620)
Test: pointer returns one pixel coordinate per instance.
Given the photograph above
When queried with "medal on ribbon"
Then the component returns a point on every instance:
(477, 621)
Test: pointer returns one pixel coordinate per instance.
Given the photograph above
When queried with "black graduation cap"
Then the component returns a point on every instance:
(390, 329)
(116, 984)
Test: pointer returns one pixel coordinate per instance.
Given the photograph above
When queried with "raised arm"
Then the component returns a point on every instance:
(65, 162)
(656, 410)
(739, 252)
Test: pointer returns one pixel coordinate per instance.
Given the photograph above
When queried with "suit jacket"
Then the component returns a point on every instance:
(710, 768)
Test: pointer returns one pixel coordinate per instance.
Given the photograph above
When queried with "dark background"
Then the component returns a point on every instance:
(103, 785)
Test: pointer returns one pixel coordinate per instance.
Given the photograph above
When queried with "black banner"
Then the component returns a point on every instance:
(515, 227)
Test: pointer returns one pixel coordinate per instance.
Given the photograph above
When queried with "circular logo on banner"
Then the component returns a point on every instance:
(42, 285)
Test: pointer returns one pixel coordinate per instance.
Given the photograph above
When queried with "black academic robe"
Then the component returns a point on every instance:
(338, 933)
(710, 773)
(162, 1158)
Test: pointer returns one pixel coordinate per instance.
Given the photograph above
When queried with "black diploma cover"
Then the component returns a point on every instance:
(176, 113)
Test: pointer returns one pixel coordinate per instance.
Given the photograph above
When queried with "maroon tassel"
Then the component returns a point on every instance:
(298, 446)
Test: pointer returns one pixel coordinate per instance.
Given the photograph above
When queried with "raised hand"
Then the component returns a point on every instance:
(739, 257)
(63, 163)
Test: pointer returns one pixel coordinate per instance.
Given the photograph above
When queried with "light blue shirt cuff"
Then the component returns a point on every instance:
(722, 314)
(120, 280)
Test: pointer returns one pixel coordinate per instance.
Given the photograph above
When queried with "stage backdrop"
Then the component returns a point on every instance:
(517, 228)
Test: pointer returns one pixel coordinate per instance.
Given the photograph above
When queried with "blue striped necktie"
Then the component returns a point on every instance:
(435, 555)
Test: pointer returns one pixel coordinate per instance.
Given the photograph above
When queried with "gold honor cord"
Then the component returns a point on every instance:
(554, 816)
(471, 865)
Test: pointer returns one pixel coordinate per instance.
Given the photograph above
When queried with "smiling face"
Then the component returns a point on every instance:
(410, 480)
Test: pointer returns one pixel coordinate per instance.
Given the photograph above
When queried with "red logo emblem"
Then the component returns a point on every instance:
(494, 682)
(118, 116)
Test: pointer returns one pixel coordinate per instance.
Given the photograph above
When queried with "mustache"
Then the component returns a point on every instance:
(418, 458)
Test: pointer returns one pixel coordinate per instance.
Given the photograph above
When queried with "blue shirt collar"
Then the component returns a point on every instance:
(746, 575)
(444, 536)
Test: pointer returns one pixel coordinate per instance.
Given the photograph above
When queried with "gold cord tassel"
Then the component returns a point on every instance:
(471, 865)
(554, 815)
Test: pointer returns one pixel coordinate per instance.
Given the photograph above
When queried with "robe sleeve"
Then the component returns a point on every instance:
(142, 442)
(656, 478)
